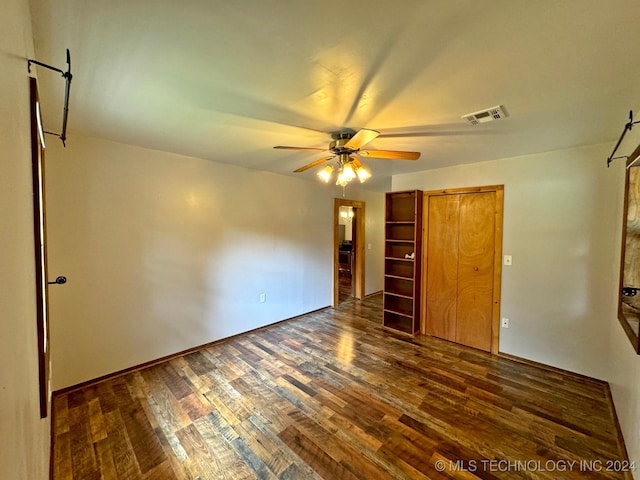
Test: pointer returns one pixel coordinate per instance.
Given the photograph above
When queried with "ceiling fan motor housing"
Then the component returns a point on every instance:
(345, 143)
(338, 146)
(345, 133)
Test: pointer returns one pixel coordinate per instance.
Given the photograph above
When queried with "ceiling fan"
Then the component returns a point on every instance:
(344, 146)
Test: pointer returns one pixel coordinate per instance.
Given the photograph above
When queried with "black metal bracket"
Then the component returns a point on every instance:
(67, 76)
(630, 291)
(627, 127)
(59, 281)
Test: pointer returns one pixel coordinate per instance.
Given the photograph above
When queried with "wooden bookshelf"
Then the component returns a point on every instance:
(402, 262)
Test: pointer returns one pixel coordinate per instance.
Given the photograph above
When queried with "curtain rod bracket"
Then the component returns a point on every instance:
(627, 127)
(67, 76)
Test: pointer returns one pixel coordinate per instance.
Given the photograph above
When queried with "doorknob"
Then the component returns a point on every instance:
(59, 280)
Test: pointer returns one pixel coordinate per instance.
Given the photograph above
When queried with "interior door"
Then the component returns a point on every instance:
(463, 251)
(475, 269)
(442, 271)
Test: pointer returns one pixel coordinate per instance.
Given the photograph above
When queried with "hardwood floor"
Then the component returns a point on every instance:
(345, 287)
(331, 395)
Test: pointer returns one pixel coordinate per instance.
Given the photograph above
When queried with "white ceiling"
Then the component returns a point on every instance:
(228, 80)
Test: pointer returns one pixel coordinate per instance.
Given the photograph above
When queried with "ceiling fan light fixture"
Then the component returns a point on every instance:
(363, 174)
(345, 146)
(341, 179)
(345, 175)
(325, 173)
(348, 172)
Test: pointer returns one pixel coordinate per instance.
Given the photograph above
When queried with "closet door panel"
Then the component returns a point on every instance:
(475, 269)
(442, 266)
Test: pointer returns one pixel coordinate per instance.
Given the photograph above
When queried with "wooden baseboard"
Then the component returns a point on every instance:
(550, 368)
(373, 294)
(166, 358)
(621, 443)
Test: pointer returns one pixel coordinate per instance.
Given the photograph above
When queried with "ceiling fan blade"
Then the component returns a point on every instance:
(313, 164)
(362, 137)
(284, 147)
(390, 154)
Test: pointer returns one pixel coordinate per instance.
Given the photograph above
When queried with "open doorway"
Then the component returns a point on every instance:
(346, 257)
(349, 251)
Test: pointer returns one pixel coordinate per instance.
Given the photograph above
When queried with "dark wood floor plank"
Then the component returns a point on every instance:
(405, 467)
(166, 405)
(195, 405)
(153, 398)
(285, 455)
(242, 449)
(199, 363)
(347, 431)
(177, 384)
(146, 446)
(314, 455)
(230, 464)
(180, 463)
(163, 471)
(62, 467)
(264, 448)
(121, 449)
(61, 419)
(198, 450)
(105, 459)
(271, 405)
(83, 459)
(107, 397)
(96, 421)
(199, 384)
(230, 406)
(331, 395)
(76, 398)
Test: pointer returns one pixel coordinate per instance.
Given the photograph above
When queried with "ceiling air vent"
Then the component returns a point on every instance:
(488, 115)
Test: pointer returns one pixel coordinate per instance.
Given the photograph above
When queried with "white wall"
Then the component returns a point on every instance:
(25, 449)
(560, 223)
(165, 252)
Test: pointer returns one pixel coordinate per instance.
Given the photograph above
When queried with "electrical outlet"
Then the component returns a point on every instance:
(505, 323)
(263, 297)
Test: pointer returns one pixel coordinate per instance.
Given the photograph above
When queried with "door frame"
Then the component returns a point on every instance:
(358, 247)
(497, 255)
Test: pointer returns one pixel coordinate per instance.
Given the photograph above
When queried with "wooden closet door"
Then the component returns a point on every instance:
(476, 245)
(442, 266)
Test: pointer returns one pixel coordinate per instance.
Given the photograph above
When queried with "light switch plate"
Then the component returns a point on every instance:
(508, 260)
